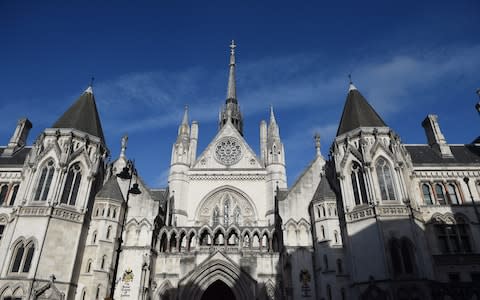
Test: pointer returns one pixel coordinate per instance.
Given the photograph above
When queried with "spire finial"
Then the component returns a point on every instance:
(231, 92)
(185, 115)
(351, 86)
(124, 145)
(272, 115)
(316, 136)
(90, 86)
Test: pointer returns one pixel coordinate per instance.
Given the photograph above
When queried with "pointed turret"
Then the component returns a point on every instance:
(231, 110)
(184, 128)
(357, 112)
(83, 116)
(273, 131)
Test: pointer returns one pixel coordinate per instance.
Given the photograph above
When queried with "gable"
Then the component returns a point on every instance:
(228, 150)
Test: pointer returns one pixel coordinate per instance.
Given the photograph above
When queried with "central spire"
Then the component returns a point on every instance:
(231, 111)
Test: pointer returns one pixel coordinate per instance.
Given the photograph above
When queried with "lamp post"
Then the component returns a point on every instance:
(127, 173)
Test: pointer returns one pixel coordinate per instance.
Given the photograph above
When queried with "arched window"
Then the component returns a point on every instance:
(45, 181)
(94, 237)
(97, 294)
(114, 213)
(236, 215)
(216, 216)
(339, 266)
(358, 184)
(108, 212)
(226, 210)
(109, 229)
(84, 295)
(440, 194)
(343, 294)
(102, 265)
(329, 292)
(453, 238)
(3, 193)
(89, 266)
(452, 193)
(72, 184)
(14, 194)
(322, 230)
(427, 194)
(385, 180)
(335, 236)
(325, 261)
(23, 256)
(323, 211)
(401, 254)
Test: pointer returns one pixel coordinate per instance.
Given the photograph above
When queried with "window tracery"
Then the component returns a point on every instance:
(45, 181)
(358, 184)
(72, 185)
(385, 180)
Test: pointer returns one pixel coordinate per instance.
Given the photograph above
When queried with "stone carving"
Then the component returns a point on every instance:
(228, 151)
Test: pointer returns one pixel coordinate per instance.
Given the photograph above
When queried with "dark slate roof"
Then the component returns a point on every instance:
(82, 115)
(18, 158)
(462, 154)
(324, 191)
(358, 113)
(111, 190)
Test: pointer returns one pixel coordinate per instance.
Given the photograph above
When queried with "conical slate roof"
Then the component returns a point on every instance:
(358, 113)
(83, 116)
(111, 190)
(324, 191)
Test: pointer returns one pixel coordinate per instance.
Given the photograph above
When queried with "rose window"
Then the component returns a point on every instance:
(228, 151)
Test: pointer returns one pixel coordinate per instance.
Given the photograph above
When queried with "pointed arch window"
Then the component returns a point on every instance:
(385, 179)
(358, 184)
(45, 181)
(72, 185)
(452, 193)
(22, 257)
(14, 194)
(427, 194)
(236, 215)
(109, 230)
(440, 194)
(3, 193)
(216, 216)
(226, 210)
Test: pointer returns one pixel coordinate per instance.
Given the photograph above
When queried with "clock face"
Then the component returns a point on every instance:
(228, 151)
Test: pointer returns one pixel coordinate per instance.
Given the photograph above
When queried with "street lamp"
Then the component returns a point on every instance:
(127, 173)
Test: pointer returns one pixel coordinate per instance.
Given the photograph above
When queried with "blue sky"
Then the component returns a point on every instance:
(149, 59)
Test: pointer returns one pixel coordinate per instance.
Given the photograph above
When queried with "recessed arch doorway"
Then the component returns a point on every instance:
(218, 291)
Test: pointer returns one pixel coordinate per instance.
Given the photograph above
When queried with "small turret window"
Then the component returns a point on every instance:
(3, 193)
(427, 194)
(72, 185)
(385, 180)
(45, 181)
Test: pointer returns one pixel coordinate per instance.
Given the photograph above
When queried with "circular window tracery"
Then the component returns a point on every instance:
(228, 151)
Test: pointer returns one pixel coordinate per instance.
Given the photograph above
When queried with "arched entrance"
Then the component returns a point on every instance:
(218, 291)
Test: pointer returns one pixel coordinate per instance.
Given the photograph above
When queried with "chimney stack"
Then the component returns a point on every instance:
(435, 138)
(19, 137)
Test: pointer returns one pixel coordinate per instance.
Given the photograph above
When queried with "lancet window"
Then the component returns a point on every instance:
(45, 181)
(385, 179)
(72, 185)
(358, 184)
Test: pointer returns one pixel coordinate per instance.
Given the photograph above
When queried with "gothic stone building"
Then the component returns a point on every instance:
(376, 219)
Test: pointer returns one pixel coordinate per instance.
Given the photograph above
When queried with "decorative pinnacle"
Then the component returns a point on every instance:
(185, 115)
(90, 86)
(477, 106)
(232, 47)
(316, 136)
(272, 115)
(124, 145)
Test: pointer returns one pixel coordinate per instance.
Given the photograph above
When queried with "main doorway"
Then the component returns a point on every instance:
(218, 291)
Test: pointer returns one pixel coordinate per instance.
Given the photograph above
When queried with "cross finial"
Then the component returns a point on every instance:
(232, 47)
(350, 78)
(91, 81)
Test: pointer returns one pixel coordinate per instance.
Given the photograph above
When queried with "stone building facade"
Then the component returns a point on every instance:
(375, 219)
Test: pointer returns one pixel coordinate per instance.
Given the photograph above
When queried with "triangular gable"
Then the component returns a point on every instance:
(208, 160)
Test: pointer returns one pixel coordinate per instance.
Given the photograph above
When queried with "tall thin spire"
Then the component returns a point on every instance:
(232, 90)
(231, 111)
(185, 115)
(184, 128)
(272, 115)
